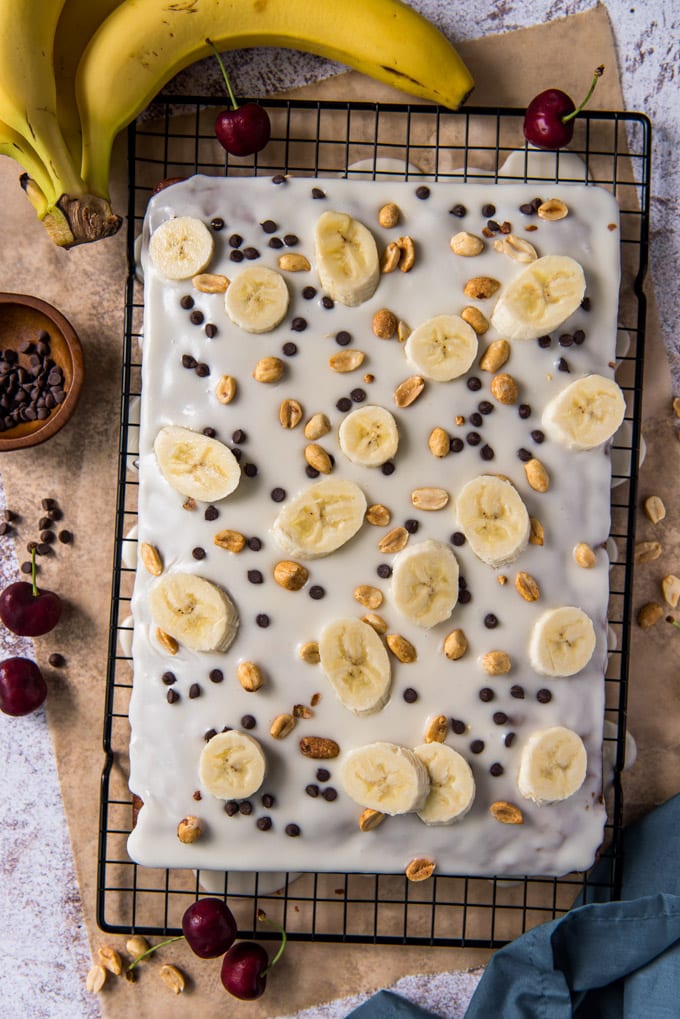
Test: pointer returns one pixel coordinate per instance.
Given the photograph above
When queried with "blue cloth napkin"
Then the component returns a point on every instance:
(602, 960)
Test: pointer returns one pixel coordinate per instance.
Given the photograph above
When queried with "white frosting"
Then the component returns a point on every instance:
(167, 739)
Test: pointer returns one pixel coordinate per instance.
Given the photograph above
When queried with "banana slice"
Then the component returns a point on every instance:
(553, 765)
(319, 519)
(369, 436)
(425, 582)
(346, 258)
(232, 765)
(355, 661)
(194, 611)
(257, 299)
(494, 519)
(452, 785)
(562, 642)
(586, 413)
(443, 348)
(196, 465)
(180, 248)
(540, 299)
(385, 777)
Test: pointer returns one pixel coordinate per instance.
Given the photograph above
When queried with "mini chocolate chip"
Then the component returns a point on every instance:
(27, 567)
(46, 504)
(422, 192)
(473, 438)
(358, 395)
(290, 240)
(410, 695)
(384, 571)
(488, 210)
(496, 769)
(500, 718)
(477, 746)
(250, 470)
(538, 436)
(486, 452)
(456, 445)
(527, 209)
(236, 255)
(215, 675)
(43, 548)
(293, 830)
(566, 340)
(187, 302)
(198, 552)
(586, 304)
(474, 384)
(248, 722)
(327, 302)
(299, 324)
(562, 366)
(278, 178)
(458, 538)
(462, 583)
(308, 293)
(316, 592)
(486, 694)
(290, 349)
(344, 403)
(490, 621)
(343, 338)
(235, 241)
(45, 523)
(254, 544)
(509, 738)
(458, 210)
(208, 734)
(330, 794)
(47, 537)
(411, 525)
(464, 597)
(255, 576)
(245, 807)
(239, 436)
(196, 317)
(485, 407)
(264, 823)
(318, 193)
(188, 361)
(278, 494)
(268, 800)
(251, 253)
(211, 513)
(202, 370)
(493, 226)
(312, 790)
(537, 202)
(56, 660)
(210, 432)
(579, 337)
(172, 696)
(262, 620)
(524, 455)
(524, 411)
(217, 223)
(476, 419)
(458, 726)
(231, 808)
(543, 696)
(311, 472)
(275, 242)
(269, 226)
(517, 692)
(194, 691)
(169, 678)
(238, 453)
(544, 342)
(322, 774)
(388, 468)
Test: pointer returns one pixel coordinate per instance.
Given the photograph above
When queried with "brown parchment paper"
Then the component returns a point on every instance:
(78, 467)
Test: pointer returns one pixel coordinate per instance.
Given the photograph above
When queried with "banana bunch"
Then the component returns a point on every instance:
(75, 73)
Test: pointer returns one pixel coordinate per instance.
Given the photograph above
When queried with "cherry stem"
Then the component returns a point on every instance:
(599, 71)
(34, 570)
(161, 944)
(262, 916)
(673, 622)
(234, 104)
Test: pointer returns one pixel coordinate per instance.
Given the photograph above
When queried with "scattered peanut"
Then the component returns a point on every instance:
(504, 388)
(309, 652)
(670, 586)
(384, 324)
(495, 356)
(250, 676)
(655, 509)
(408, 391)
(466, 244)
(506, 813)
(225, 390)
(376, 621)
(369, 597)
(210, 283)
(537, 475)
(390, 257)
(527, 587)
(437, 729)
(290, 413)
(370, 819)
(647, 551)
(346, 360)
(95, 980)
(649, 614)
(455, 645)
(420, 869)
(151, 558)
(167, 641)
(496, 663)
(536, 533)
(439, 442)
(110, 960)
(378, 515)
(290, 575)
(407, 250)
(282, 726)
(172, 978)
(585, 556)
(320, 748)
(293, 262)
(394, 540)
(480, 288)
(553, 209)
(402, 649)
(232, 541)
(317, 426)
(429, 498)
(478, 320)
(189, 829)
(389, 215)
(317, 457)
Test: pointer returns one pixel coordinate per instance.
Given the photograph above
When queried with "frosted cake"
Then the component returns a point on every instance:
(370, 606)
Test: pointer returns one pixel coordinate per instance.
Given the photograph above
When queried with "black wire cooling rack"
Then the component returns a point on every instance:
(327, 139)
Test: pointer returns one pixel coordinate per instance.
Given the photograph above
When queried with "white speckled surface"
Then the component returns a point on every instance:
(42, 938)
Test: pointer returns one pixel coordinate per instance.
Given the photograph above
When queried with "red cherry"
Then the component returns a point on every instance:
(28, 611)
(209, 927)
(243, 970)
(244, 130)
(549, 120)
(22, 686)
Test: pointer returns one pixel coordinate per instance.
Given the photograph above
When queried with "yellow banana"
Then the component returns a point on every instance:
(143, 43)
(16, 146)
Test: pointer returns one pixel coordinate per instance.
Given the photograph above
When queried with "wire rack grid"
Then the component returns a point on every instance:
(327, 139)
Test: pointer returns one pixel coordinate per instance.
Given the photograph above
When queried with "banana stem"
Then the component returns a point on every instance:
(599, 71)
(234, 104)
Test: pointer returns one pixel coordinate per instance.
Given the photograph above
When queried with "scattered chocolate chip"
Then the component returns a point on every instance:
(27, 567)
(194, 691)
(486, 694)
(517, 692)
(524, 411)
(330, 794)
(47, 537)
(311, 472)
(318, 193)
(278, 178)
(312, 790)
(202, 370)
(566, 340)
(327, 302)
(45, 523)
(316, 592)
(488, 210)
(500, 718)
(476, 419)
(544, 342)
(198, 552)
(275, 242)
(490, 621)
(250, 470)
(509, 738)
(422, 192)
(456, 445)
(268, 800)
(235, 241)
(474, 384)
(388, 468)
(464, 597)
(492, 226)
(187, 302)
(54, 513)
(458, 538)
(473, 438)
(290, 349)
(262, 620)
(208, 734)
(527, 209)
(211, 513)
(293, 830)
(485, 407)
(239, 436)
(308, 293)
(231, 808)
(322, 774)
(169, 678)
(245, 807)
(278, 494)
(458, 726)
(251, 253)
(299, 324)
(579, 337)
(188, 361)
(290, 240)
(172, 696)
(477, 746)
(410, 695)
(217, 223)
(196, 318)
(384, 571)
(496, 769)
(269, 226)
(543, 696)
(264, 823)
(255, 576)
(486, 452)
(43, 548)
(238, 453)
(254, 544)
(586, 304)
(56, 660)
(524, 455)
(358, 395)
(215, 675)
(237, 255)
(344, 403)
(248, 722)
(458, 210)
(411, 525)
(538, 436)
(537, 202)
(562, 366)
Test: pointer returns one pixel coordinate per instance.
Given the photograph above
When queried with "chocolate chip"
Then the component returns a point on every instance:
(262, 620)
(476, 419)
(277, 494)
(477, 746)
(172, 697)
(538, 436)
(486, 452)
(462, 583)
(410, 695)
(322, 774)
(210, 330)
(208, 734)
(328, 302)
(299, 324)
(358, 395)
(493, 226)
(490, 621)
(458, 538)
(215, 675)
(196, 317)
(264, 823)
(411, 525)
(311, 472)
(210, 432)
(464, 597)
(330, 794)
(293, 830)
(316, 592)
(239, 436)
(269, 226)
(562, 366)
(255, 576)
(194, 691)
(422, 192)
(496, 769)
(544, 342)
(509, 738)
(217, 223)
(278, 178)
(211, 513)
(543, 696)
(268, 800)
(524, 455)
(344, 403)
(308, 293)
(527, 209)
(566, 340)
(187, 302)
(517, 692)
(198, 552)
(485, 407)
(384, 571)
(169, 678)
(486, 694)
(524, 411)
(188, 361)
(290, 349)
(47, 537)
(290, 240)
(458, 210)
(488, 210)
(456, 445)
(43, 548)
(202, 370)
(275, 242)
(248, 722)
(238, 453)
(458, 726)
(473, 438)
(245, 807)
(388, 468)
(250, 470)
(231, 808)
(251, 253)
(65, 537)
(56, 660)
(586, 304)
(312, 790)
(254, 544)
(537, 202)
(318, 193)
(235, 241)
(474, 384)
(500, 718)
(27, 567)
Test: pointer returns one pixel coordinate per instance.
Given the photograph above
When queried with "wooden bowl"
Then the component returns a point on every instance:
(23, 318)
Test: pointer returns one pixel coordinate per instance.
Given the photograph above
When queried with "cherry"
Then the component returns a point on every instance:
(209, 927)
(22, 686)
(26, 610)
(244, 970)
(549, 120)
(242, 130)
